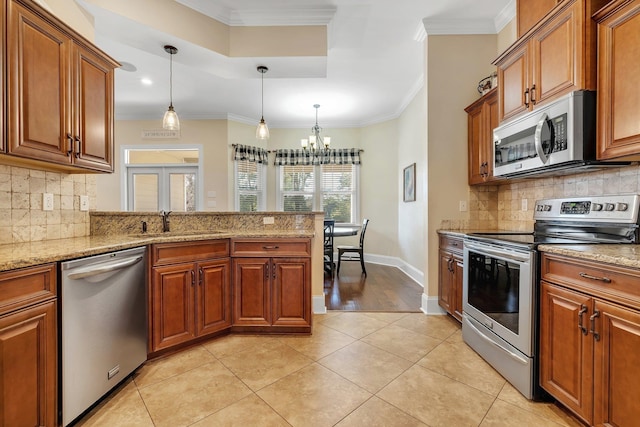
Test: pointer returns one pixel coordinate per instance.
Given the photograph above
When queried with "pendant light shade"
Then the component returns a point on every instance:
(170, 120)
(262, 131)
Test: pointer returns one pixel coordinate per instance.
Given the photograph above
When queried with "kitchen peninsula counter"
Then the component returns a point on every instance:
(19, 255)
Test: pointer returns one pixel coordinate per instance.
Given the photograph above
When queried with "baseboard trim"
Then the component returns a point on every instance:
(430, 306)
(317, 304)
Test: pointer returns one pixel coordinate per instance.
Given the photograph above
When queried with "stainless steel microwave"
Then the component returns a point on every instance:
(554, 138)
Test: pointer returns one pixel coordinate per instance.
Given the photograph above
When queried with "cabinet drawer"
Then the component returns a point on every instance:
(270, 247)
(450, 243)
(27, 286)
(171, 253)
(607, 281)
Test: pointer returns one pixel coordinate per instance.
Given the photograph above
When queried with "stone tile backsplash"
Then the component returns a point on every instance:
(500, 206)
(21, 191)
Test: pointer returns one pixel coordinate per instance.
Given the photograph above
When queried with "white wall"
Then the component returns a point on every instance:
(412, 215)
(454, 66)
(211, 134)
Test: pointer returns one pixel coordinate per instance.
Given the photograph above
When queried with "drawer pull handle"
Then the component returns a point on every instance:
(592, 319)
(601, 279)
(583, 310)
(270, 247)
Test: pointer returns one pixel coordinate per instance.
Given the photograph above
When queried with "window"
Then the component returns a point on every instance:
(161, 179)
(332, 188)
(250, 188)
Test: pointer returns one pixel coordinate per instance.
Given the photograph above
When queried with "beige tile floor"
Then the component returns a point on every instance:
(357, 369)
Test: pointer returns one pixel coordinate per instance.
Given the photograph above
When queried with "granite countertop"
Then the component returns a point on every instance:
(622, 255)
(28, 254)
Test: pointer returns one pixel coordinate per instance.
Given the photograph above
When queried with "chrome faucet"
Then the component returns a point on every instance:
(165, 221)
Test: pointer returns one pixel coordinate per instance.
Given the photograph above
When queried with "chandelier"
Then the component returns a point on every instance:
(316, 142)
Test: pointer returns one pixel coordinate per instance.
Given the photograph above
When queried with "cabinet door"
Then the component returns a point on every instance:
(490, 110)
(213, 296)
(456, 288)
(557, 56)
(619, 82)
(291, 291)
(566, 352)
(445, 281)
(251, 292)
(513, 81)
(28, 356)
(93, 128)
(474, 136)
(616, 366)
(39, 100)
(530, 12)
(172, 298)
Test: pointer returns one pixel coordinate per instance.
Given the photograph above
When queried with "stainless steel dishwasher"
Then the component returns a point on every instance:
(103, 324)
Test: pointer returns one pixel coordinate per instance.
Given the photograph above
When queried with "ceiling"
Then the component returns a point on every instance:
(373, 68)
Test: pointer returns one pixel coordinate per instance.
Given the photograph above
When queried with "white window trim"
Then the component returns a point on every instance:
(317, 196)
(124, 187)
(262, 200)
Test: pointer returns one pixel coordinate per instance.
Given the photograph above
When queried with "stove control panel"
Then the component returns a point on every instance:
(616, 208)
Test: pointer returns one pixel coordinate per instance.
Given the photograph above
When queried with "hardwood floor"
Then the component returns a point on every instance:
(383, 289)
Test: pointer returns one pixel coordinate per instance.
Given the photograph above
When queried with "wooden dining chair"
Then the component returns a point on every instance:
(329, 226)
(354, 253)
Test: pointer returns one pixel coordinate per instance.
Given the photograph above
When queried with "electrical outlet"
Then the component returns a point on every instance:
(463, 206)
(47, 202)
(84, 203)
(524, 204)
(267, 220)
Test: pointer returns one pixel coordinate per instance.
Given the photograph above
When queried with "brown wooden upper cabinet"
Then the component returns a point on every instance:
(482, 118)
(59, 93)
(618, 80)
(530, 12)
(557, 57)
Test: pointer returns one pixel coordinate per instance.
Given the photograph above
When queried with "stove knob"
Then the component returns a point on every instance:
(539, 208)
(621, 206)
(608, 206)
(547, 208)
(596, 207)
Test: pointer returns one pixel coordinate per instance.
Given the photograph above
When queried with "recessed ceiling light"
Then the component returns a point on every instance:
(127, 66)
(146, 81)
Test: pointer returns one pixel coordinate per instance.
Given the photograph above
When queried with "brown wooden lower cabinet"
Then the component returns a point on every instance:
(28, 347)
(590, 339)
(192, 299)
(271, 286)
(450, 276)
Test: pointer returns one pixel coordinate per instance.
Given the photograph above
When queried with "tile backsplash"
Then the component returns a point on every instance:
(500, 206)
(24, 220)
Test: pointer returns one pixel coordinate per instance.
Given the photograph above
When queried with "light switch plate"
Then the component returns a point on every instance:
(524, 204)
(84, 203)
(463, 206)
(268, 220)
(47, 202)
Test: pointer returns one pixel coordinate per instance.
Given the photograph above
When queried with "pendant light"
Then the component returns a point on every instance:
(170, 120)
(262, 131)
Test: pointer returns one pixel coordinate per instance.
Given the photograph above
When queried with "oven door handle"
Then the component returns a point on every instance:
(510, 353)
(487, 250)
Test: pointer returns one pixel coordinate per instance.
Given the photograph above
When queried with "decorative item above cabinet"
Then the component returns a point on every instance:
(59, 98)
(556, 57)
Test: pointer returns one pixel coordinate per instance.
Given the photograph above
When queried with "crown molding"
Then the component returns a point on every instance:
(439, 26)
(293, 16)
(505, 16)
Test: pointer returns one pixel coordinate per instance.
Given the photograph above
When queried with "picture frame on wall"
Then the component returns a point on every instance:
(409, 183)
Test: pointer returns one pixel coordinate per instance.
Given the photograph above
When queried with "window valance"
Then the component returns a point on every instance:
(338, 156)
(250, 153)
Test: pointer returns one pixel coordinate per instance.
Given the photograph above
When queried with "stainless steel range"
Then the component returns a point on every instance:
(501, 278)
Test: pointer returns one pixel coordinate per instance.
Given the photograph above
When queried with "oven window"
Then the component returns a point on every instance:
(494, 286)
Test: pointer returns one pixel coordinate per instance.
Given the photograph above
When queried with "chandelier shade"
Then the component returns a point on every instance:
(170, 121)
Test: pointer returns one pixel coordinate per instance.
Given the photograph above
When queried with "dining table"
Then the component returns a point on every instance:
(345, 230)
